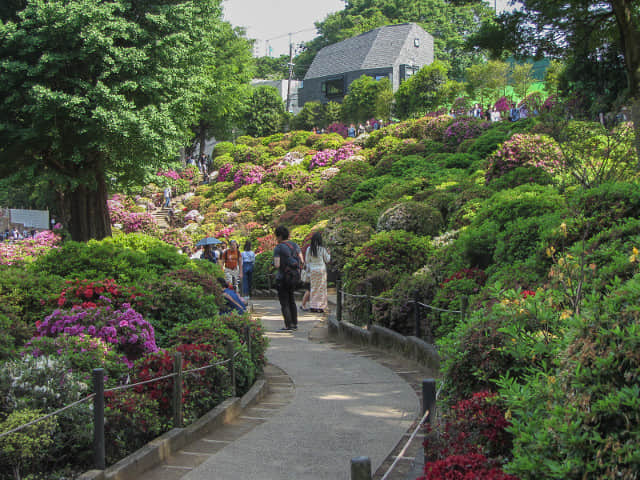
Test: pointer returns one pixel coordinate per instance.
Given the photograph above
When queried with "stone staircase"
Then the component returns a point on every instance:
(161, 216)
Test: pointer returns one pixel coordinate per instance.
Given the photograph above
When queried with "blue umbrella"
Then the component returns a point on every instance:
(208, 241)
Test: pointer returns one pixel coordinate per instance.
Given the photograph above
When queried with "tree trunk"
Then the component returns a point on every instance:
(89, 212)
(630, 36)
(202, 138)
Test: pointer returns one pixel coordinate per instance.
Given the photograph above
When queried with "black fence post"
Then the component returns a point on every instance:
(360, 468)
(247, 337)
(177, 390)
(464, 306)
(369, 303)
(416, 315)
(268, 281)
(98, 419)
(339, 297)
(429, 398)
(232, 367)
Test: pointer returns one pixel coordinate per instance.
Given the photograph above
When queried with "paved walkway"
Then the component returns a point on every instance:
(342, 405)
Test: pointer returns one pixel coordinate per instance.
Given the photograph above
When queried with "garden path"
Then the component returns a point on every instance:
(327, 405)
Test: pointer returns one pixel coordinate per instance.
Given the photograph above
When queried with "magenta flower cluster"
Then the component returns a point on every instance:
(537, 151)
(502, 104)
(339, 128)
(124, 328)
(463, 129)
(248, 174)
(224, 171)
(11, 253)
(131, 221)
(330, 157)
(169, 174)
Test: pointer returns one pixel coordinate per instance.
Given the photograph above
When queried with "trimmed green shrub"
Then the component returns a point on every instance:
(413, 217)
(583, 416)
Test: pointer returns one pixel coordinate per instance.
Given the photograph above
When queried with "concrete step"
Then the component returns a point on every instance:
(281, 392)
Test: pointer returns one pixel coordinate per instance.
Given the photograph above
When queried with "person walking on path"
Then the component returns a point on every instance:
(232, 264)
(167, 197)
(248, 259)
(316, 260)
(287, 257)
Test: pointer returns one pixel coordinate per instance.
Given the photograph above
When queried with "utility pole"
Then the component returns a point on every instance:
(290, 72)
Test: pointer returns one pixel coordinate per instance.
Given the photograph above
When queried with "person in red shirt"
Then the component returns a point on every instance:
(232, 264)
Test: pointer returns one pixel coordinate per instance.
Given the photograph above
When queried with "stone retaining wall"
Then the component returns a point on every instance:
(384, 339)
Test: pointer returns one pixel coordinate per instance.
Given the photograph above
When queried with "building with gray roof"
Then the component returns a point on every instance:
(394, 51)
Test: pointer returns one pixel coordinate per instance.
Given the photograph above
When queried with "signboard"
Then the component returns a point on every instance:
(31, 218)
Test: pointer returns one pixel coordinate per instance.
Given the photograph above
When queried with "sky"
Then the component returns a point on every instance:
(270, 21)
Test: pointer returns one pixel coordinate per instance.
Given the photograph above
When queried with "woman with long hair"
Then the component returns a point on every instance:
(316, 259)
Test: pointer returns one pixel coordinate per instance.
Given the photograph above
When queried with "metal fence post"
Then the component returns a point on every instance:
(416, 315)
(464, 306)
(429, 398)
(360, 468)
(98, 419)
(369, 305)
(232, 367)
(247, 336)
(339, 297)
(177, 390)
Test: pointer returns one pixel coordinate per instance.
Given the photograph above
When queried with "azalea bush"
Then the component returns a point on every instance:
(124, 327)
(537, 151)
(28, 249)
(330, 157)
(463, 128)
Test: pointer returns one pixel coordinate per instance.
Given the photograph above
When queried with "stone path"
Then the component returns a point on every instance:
(327, 404)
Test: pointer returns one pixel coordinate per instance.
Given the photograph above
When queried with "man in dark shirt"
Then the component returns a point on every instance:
(281, 254)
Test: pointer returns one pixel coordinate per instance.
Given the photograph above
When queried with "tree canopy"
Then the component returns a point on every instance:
(596, 38)
(450, 22)
(92, 90)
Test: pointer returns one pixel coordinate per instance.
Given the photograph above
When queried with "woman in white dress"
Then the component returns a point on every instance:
(316, 259)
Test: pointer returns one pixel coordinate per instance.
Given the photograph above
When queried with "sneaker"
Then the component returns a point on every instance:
(283, 329)
(294, 327)
(304, 309)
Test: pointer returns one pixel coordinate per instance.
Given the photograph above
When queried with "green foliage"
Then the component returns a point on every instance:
(342, 237)
(109, 94)
(264, 112)
(594, 155)
(606, 204)
(397, 251)
(133, 257)
(26, 447)
(413, 217)
(398, 315)
(368, 189)
(168, 302)
(365, 99)
(520, 202)
(597, 430)
(422, 92)
(517, 333)
(339, 187)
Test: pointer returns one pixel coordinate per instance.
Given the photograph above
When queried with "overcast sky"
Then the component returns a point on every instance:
(270, 21)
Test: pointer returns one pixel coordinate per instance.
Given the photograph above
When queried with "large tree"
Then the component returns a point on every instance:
(584, 32)
(92, 90)
(227, 84)
(449, 21)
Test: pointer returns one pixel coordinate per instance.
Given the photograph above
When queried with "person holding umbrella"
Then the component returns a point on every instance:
(208, 252)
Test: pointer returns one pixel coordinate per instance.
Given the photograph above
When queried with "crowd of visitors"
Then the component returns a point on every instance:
(13, 234)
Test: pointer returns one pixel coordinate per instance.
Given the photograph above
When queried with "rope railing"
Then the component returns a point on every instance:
(49, 415)
(98, 397)
(424, 305)
(406, 445)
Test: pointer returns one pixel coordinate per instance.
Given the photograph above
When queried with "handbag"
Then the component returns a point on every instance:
(304, 275)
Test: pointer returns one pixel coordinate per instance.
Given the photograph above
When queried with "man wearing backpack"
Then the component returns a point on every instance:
(287, 259)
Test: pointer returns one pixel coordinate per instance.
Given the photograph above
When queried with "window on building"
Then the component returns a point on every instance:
(333, 87)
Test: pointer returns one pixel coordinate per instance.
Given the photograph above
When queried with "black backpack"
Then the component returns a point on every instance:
(291, 268)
